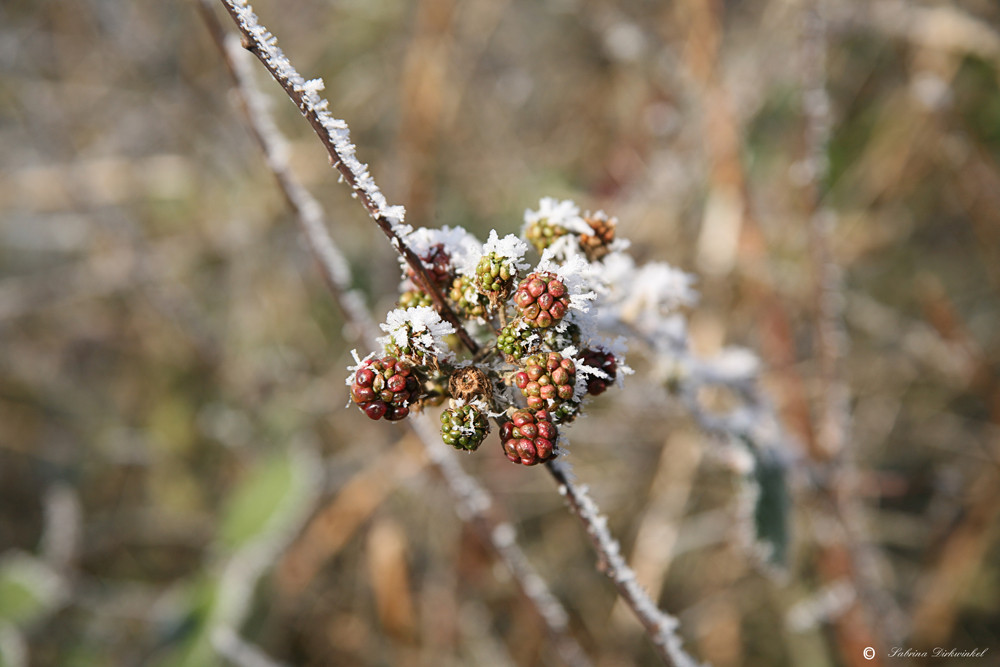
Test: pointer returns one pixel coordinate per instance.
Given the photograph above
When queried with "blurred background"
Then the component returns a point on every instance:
(173, 440)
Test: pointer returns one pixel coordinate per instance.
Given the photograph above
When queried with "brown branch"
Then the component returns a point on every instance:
(335, 136)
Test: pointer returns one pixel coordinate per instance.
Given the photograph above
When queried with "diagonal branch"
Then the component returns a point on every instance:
(336, 138)
(660, 626)
(308, 212)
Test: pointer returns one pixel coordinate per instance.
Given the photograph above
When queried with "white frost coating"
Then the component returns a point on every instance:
(420, 328)
(729, 366)
(509, 248)
(339, 135)
(580, 277)
(462, 246)
(597, 525)
(358, 363)
(652, 289)
(309, 212)
(565, 214)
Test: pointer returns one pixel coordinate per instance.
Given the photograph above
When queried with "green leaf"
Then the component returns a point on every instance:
(256, 500)
(772, 508)
(29, 589)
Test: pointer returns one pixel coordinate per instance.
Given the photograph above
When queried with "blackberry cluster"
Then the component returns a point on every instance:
(437, 261)
(384, 388)
(541, 300)
(600, 360)
(541, 233)
(529, 437)
(464, 427)
(520, 377)
(494, 278)
(515, 339)
(546, 379)
(415, 297)
(463, 293)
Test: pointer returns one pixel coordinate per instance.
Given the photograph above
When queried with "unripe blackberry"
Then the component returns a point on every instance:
(414, 298)
(529, 438)
(464, 427)
(542, 299)
(558, 338)
(384, 388)
(604, 361)
(546, 380)
(471, 304)
(495, 278)
(437, 262)
(598, 244)
(541, 233)
(513, 339)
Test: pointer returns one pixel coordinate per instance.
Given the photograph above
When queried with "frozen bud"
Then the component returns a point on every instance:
(602, 361)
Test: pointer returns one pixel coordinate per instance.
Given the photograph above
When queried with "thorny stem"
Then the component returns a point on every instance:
(308, 212)
(660, 626)
(252, 41)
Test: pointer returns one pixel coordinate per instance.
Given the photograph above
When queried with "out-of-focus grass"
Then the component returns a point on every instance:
(164, 335)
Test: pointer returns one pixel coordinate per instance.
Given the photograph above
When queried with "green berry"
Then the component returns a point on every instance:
(464, 427)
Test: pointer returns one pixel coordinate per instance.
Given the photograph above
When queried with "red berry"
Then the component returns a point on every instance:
(375, 410)
(542, 299)
(528, 438)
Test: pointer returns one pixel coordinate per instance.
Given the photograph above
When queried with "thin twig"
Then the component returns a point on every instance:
(308, 212)
(838, 484)
(335, 136)
(661, 627)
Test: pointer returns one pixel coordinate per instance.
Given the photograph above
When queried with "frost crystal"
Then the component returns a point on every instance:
(564, 214)
(419, 329)
(313, 105)
(509, 248)
(463, 247)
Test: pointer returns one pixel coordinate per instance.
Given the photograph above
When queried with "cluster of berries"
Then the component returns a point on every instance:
(384, 388)
(529, 376)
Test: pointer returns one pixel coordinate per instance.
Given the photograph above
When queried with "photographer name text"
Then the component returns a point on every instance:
(938, 652)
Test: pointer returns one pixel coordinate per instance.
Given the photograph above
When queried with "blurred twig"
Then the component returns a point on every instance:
(871, 619)
(335, 136)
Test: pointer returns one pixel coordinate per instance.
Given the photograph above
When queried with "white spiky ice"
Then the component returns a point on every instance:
(420, 328)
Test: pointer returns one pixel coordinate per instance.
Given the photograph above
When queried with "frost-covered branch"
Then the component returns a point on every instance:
(473, 507)
(336, 138)
(308, 211)
(660, 626)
